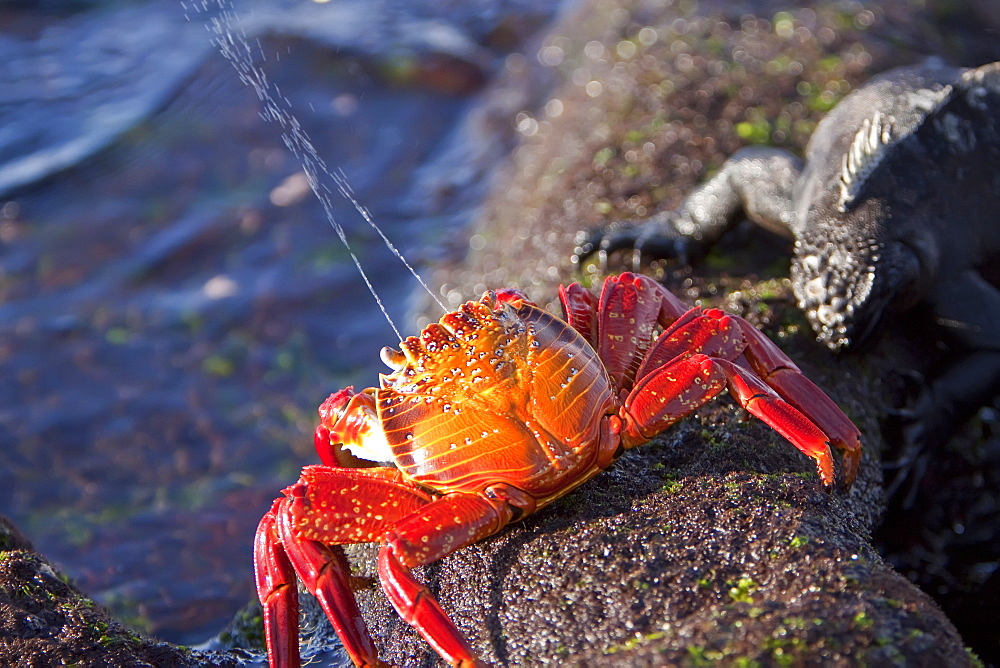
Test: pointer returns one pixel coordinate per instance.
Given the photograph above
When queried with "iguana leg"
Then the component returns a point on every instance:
(969, 310)
(755, 183)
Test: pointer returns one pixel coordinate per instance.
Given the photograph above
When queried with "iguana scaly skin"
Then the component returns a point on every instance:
(897, 204)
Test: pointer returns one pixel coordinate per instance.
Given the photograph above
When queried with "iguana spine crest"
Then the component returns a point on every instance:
(861, 158)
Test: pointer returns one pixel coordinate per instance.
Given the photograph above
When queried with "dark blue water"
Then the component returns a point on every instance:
(173, 303)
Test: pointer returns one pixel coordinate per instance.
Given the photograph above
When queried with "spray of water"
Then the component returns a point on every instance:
(234, 45)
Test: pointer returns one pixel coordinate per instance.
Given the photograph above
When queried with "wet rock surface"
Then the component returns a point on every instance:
(665, 566)
(653, 101)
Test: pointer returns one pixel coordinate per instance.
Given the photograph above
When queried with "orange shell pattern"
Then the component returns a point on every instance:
(495, 393)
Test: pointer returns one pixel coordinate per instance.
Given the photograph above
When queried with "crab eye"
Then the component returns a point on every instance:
(392, 358)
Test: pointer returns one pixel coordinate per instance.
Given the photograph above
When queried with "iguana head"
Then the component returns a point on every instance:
(846, 281)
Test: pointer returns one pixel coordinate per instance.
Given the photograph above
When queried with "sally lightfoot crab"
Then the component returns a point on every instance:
(495, 412)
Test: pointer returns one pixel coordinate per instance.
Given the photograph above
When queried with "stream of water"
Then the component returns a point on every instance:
(172, 305)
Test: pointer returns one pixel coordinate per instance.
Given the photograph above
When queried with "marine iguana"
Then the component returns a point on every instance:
(897, 205)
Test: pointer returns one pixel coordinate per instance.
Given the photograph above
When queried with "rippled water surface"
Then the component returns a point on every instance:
(173, 303)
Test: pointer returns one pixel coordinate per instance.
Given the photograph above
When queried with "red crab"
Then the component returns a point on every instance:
(495, 412)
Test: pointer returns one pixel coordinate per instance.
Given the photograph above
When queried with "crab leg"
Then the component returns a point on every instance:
(711, 332)
(277, 591)
(442, 527)
(714, 333)
(579, 307)
(620, 324)
(683, 385)
(763, 402)
(781, 374)
(666, 395)
(297, 534)
(449, 523)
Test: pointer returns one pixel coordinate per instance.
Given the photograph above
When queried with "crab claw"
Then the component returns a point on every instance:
(349, 433)
(327, 445)
(331, 409)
